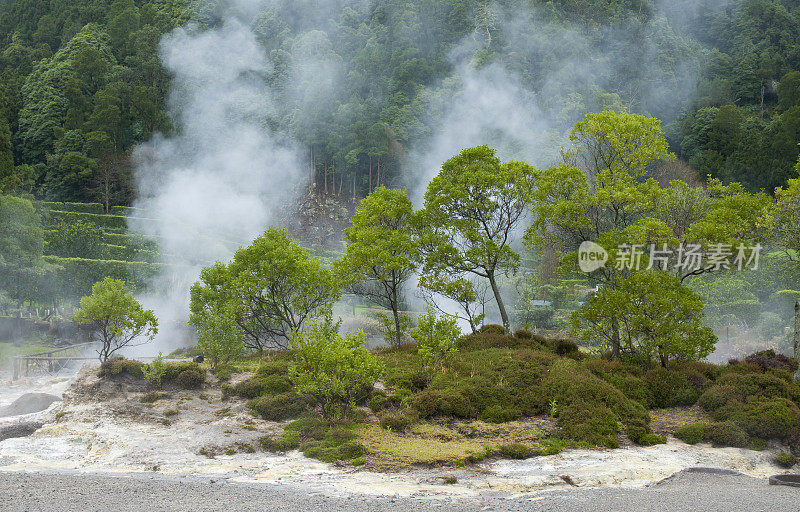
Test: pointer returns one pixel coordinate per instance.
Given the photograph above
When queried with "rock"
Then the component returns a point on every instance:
(29, 403)
(22, 429)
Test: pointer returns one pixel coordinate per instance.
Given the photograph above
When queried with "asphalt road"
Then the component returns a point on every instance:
(689, 492)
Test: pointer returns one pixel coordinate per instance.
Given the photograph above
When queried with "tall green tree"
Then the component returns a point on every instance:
(382, 249)
(472, 208)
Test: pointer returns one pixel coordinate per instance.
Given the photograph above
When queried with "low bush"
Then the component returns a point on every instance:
(669, 387)
(692, 433)
(499, 414)
(152, 396)
(589, 422)
(116, 366)
(514, 451)
(249, 388)
(523, 334)
(776, 418)
(492, 329)
(565, 348)
(224, 372)
(377, 400)
(190, 379)
(398, 421)
(785, 460)
(726, 433)
(768, 359)
(279, 407)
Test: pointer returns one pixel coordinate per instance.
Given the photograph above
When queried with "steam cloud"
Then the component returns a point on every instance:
(217, 183)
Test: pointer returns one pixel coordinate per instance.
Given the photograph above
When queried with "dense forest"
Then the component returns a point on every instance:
(362, 86)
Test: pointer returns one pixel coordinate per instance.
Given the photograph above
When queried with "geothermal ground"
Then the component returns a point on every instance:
(197, 444)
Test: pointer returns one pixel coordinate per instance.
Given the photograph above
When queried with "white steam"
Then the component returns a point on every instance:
(218, 181)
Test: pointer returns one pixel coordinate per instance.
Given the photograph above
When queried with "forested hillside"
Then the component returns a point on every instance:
(363, 85)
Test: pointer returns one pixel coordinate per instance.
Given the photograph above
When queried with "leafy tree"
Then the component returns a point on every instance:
(154, 371)
(220, 339)
(612, 205)
(118, 319)
(382, 249)
(788, 217)
(271, 287)
(659, 318)
(332, 369)
(471, 210)
(436, 337)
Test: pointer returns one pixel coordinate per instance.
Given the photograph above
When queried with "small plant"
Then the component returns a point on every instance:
(436, 338)
(553, 408)
(152, 396)
(450, 480)
(155, 371)
(785, 460)
(171, 412)
(514, 450)
(230, 451)
(220, 339)
(692, 433)
(332, 369)
(359, 461)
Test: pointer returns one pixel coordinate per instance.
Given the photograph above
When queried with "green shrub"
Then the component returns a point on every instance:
(726, 433)
(249, 388)
(154, 372)
(152, 396)
(492, 329)
(377, 400)
(589, 422)
(499, 414)
(289, 440)
(626, 378)
(757, 444)
(276, 384)
(333, 370)
(279, 407)
(514, 451)
(224, 372)
(397, 421)
(670, 388)
(119, 366)
(565, 348)
(785, 460)
(273, 368)
(717, 397)
(692, 433)
(776, 418)
(523, 334)
(435, 337)
(190, 379)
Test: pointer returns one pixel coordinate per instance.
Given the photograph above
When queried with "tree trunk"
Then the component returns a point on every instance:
(369, 189)
(397, 334)
(797, 337)
(615, 351)
(500, 304)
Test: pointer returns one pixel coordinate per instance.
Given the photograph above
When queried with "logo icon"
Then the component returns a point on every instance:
(591, 256)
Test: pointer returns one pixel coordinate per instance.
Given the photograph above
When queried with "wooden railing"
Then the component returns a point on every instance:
(51, 361)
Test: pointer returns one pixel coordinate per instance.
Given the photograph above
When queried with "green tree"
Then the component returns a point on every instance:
(219, 337)
(117, 318)
(272, 287)
(659, 318)
(382, 249)
(436, 337)
(332, 369)
(611, 204)
(471, 210)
